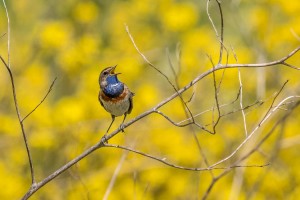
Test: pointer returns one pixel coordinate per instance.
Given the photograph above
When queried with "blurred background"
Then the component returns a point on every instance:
(74, 40)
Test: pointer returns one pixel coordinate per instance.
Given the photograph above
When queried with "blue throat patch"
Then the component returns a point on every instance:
(114, 87)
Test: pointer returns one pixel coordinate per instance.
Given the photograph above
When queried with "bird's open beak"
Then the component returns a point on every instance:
(113, 69)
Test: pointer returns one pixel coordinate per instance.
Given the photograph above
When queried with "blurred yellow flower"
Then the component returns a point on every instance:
(13, 189)
(9, 126)
(179, 17)
(75, 40)
(259, 20)
(86, 12)
(55, 34)
(80, 53)
(147, 94)
(69, 110)
(88, 45)
(37, 75)
(43, 139)
(290, 7)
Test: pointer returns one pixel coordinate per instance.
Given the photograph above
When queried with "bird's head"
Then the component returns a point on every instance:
(107, 76)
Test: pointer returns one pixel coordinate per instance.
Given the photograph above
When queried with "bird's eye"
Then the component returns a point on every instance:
(105, 73)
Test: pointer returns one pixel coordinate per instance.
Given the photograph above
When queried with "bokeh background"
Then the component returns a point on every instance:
(74, 40)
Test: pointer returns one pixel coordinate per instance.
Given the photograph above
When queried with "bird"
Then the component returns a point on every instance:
(114, 96)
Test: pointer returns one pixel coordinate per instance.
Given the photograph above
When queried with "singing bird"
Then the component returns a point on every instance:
(114, 96)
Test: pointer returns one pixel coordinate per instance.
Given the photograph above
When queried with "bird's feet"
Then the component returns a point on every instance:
(122, 127)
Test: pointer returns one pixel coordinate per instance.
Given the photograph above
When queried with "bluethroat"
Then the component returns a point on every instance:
(114, 96)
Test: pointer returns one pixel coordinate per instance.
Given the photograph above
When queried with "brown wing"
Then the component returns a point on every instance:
(130, 103)
(100, 99)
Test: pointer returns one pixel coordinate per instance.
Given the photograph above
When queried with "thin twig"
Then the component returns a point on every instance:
(222, 32)
(295, 34)
(114, 177)
(178, 57)
(159, 71)
(49, 90)
(181, 125)
(2, 35)
(241, 91)
(210, 19)
(172, 68)
(272, 157)
(291, 66)
(258, 103)
(221, 36)
(163, 160)
(224, 114)
(76, 176)
(241, 102)
(273, 101)
(8, 34)
(215, 123)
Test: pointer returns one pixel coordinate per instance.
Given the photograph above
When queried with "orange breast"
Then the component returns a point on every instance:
(115, 99)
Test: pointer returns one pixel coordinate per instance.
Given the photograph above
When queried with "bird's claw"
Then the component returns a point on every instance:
(122, 128)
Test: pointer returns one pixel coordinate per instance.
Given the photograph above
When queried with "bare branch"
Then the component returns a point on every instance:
(2, 35)
(210, 19)
(77, 177)
(182, 125)
(20, 119)
(241, 93)
(222, 32)
(295, 34)
(172, 69)
(267, 64)
(221, 37)
(273, 101)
